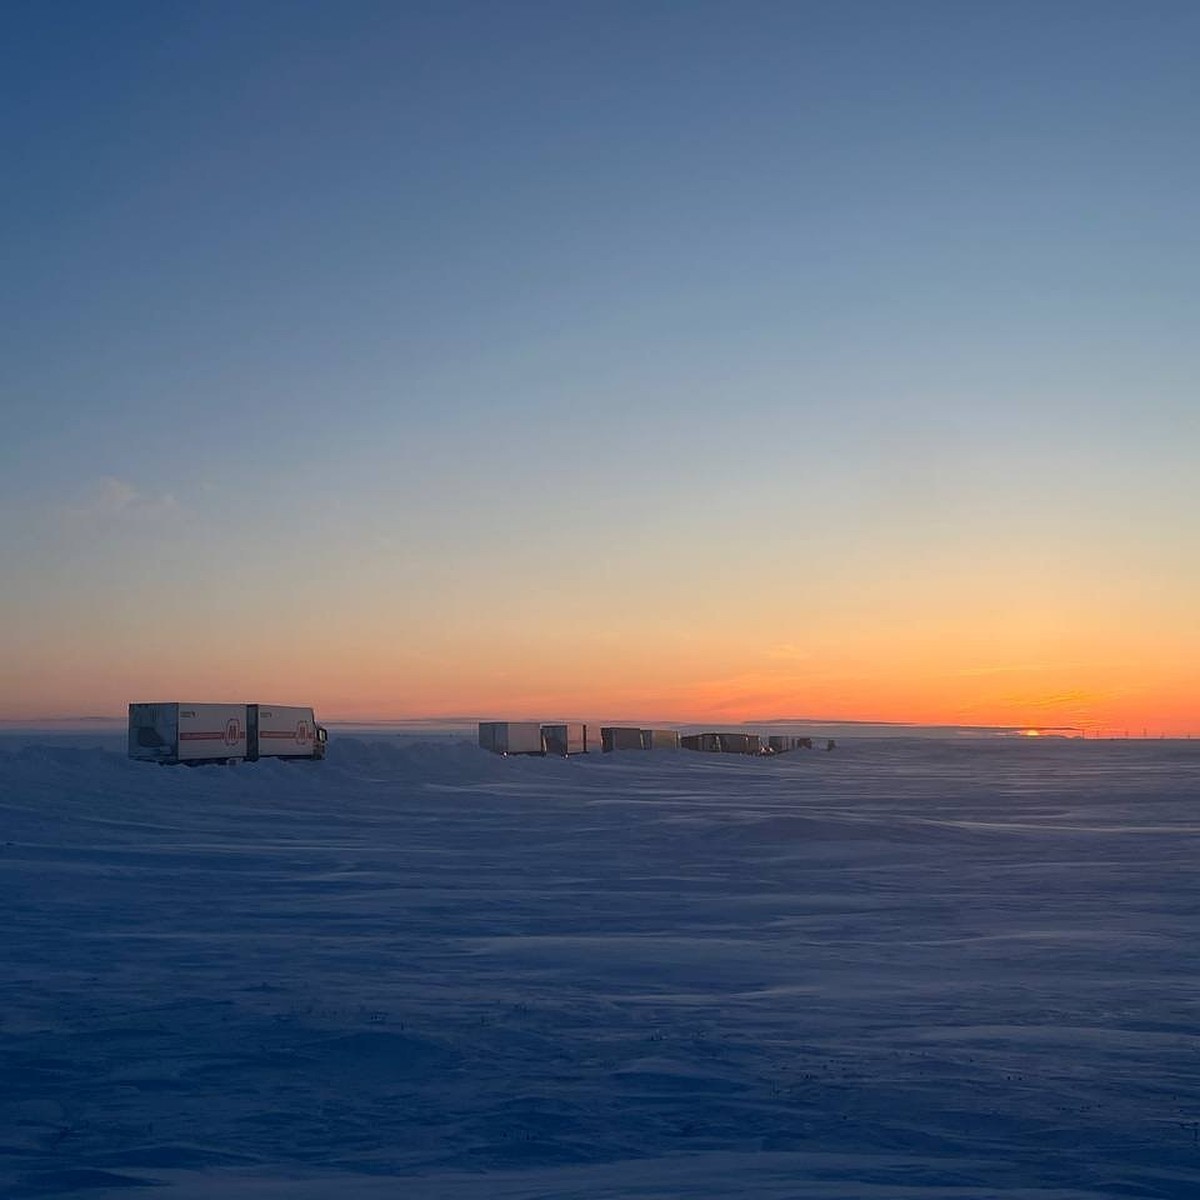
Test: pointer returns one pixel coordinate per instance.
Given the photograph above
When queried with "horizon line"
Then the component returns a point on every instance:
(471, 719)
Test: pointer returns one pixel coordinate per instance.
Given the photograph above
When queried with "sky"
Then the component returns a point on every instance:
(674, 361)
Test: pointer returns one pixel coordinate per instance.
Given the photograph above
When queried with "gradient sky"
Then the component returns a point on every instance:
(664, 360)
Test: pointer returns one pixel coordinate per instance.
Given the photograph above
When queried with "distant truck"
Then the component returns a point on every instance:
(782, 743)
(565, 738)
(620, 737)
(723, 743)
(178, 732)
(512, 737)
(660, 739)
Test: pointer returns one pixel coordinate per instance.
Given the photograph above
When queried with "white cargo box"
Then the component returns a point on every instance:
(660, 739)
(511, 737)
(179, 732)
(620, 737)
(198, 733)
(780, 743)
(570, 737)
(285, 731)
(209, 731)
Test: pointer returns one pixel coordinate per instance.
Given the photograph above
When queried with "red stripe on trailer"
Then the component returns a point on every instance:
(302, 733)
(232, 735)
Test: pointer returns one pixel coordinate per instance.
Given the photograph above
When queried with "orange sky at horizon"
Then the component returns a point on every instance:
(930, 673)
(676, 682)
(1007, 632)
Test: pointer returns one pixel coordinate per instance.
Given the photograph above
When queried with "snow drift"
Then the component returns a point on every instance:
(904, 969)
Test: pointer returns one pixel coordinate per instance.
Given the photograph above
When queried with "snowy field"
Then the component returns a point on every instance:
(904, 969)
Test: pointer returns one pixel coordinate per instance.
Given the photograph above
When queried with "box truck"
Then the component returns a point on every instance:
(283, 731)
(178, 732)
(782, 743)
(660, 739)
(620, 737)
(512, 737)
(740, 743)
(723, 743)
(569, 737)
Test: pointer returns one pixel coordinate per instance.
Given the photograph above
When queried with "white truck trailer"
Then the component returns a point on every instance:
(568, 737)
(284, 731)
(512, 737)
(620, 737)
(660, 739)
(178, 732)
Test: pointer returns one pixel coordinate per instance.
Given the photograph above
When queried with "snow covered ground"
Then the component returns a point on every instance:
(904, 969)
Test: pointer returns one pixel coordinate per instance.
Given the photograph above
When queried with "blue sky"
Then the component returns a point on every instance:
(407, 282)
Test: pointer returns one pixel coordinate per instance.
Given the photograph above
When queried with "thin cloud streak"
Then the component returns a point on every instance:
(114, 502)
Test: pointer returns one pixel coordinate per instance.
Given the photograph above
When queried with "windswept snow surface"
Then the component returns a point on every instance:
(904, 969)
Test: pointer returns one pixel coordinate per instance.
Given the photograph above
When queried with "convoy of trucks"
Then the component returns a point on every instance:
(532, 737)
(178, 732)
